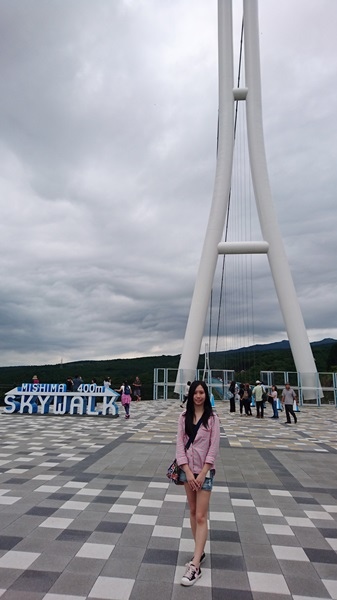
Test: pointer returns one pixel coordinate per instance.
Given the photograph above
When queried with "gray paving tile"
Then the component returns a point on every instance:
(35, 581)
(295, 480)
(143, 590)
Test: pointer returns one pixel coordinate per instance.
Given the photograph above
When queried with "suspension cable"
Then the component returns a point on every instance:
(229, 195)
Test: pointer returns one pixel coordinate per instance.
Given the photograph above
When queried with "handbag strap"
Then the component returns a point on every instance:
(193, 435)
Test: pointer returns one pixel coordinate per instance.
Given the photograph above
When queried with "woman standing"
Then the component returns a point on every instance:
(125, 391)
(199, 430)
(273, 395)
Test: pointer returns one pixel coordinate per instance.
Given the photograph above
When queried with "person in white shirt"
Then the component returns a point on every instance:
(187, 389)
(257, 393)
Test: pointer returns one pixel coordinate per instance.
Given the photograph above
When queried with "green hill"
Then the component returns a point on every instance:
(249, 361)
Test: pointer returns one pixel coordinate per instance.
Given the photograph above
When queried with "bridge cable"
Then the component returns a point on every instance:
(229, 196)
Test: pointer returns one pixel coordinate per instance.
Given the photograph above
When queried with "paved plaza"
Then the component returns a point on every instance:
(86, 511)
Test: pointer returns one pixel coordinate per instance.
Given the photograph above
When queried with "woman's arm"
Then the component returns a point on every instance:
(213, 449)
(180, 445)
(181, 455)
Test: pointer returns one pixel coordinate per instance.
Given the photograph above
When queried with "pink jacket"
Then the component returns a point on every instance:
(205, 447)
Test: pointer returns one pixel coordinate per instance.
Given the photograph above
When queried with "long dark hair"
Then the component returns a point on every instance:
(189, 417)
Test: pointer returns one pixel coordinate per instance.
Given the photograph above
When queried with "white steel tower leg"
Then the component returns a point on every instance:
(203, 285)
(284, 285)
(279, 266)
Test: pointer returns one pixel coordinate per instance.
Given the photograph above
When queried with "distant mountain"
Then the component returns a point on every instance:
(283, 345)
(252, 360)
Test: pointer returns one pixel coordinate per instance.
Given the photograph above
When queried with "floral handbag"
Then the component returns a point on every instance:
(173, 472)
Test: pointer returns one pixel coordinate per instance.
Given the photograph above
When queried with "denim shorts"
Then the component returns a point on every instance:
(208, 483)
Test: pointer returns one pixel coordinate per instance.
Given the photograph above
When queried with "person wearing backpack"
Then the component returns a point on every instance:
(125, 391)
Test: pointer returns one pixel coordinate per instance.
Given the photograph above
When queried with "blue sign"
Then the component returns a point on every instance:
(52, 398)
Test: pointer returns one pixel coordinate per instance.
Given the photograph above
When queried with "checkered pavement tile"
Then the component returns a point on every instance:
(86, 511)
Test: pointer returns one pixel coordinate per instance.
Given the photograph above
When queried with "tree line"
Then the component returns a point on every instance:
(247, 364)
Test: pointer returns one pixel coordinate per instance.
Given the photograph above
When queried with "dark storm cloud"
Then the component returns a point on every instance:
(108, 121)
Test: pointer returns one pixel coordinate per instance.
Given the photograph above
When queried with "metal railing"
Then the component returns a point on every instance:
(322, 390)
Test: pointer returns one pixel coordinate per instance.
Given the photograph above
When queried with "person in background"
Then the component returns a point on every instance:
(77, 381)
(247, 398)
(288, 398)
(264, 394)
(185, 396)
(232, 392)
(241, 393)
(69, 384)
(258, 391)
(125, 391)
(137, 385)
(35, 379)
(198, 441)
(107, 382)
(273, 396)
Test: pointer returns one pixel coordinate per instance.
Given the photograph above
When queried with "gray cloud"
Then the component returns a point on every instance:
(108, 121)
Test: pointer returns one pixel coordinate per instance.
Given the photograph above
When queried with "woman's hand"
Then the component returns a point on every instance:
(192, 482)
(199, 480)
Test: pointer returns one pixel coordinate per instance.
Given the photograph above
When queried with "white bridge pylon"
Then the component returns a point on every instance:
(272, 243)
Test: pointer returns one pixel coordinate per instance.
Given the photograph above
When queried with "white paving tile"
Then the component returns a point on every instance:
(175, 498)
(268, 583)
(310, 598)
(331, 508)
(280, 493)
(17, 471)
(49, 489)
(273, 529)
(290, 553)
(112, 588)
(331, 586)
(187, 545)
(18, 560)
(56, 523)
(221, 516)
(8, 500)
(166, 531)
(134, 495)
(75, 484)
(88, 492)
(127, 509)
(242, 502)
(89, 550)
(269, 512)
(74, 505)
(143, 519)
(158, 484)
(63, 597)
(151, 503)
(333, 544)
(299, 522)
(318, 514)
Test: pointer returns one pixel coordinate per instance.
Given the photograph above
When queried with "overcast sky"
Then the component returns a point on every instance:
(108, 120)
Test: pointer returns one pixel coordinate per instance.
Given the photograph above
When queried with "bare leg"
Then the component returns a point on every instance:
(192, 503)
(198, 504)
(203, 498)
